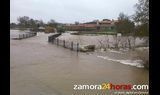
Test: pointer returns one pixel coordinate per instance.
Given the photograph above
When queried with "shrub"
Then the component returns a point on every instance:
(60, 29)
(144, 56)
(49, 29)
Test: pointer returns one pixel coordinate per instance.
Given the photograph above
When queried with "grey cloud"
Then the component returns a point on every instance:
(70, 10)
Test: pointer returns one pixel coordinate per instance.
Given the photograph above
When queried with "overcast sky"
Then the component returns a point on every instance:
(69, 11)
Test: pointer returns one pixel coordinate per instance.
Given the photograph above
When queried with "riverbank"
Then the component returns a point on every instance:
(139, 57)
(104, 41)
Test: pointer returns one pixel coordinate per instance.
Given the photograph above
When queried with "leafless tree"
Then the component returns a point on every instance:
(116, 41)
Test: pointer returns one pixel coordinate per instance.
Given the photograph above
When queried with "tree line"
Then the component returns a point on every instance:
(136, 24)
(25, 22)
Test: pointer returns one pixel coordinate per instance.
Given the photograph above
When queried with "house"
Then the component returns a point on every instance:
(92, 26)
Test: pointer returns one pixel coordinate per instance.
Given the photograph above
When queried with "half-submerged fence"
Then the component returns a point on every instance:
(25, 35)
(66, 44)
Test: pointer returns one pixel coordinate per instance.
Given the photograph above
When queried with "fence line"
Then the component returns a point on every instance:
(26, 35)
(66, 44)
(52, 37)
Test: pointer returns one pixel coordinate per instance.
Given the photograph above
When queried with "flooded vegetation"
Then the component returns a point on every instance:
(106, 41)
(124, 45)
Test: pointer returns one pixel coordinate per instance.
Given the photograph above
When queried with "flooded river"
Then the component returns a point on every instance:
(40, 68)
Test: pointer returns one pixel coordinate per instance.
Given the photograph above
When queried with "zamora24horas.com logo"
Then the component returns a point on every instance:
(110, 86)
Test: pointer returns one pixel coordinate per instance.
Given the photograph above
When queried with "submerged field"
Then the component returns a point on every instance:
(40, 68)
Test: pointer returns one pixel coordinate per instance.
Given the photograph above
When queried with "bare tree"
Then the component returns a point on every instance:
(107, 42)
(100, 41)
(116, 41)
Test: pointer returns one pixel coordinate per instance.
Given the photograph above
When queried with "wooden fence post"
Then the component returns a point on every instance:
(77, 47)
(57, 41)
(71, 45)
(63, 43)
(23, 35)
(19, 36)
(48, 38)
(53, 40)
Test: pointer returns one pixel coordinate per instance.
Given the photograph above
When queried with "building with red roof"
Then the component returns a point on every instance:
(94, 25)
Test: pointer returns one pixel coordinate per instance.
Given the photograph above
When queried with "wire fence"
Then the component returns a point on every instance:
(66, 44)
(25, 35)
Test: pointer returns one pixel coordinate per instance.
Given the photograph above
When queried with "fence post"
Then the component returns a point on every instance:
(48, 38)
(77, 47)
(19, 36)
(63, 43)
(53, 40)
(71, 45)
(57, 41)
(23, 35)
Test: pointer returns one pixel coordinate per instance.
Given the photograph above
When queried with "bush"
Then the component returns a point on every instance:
(144, 56)
(142, 30)
(49, 29)
(60, 30)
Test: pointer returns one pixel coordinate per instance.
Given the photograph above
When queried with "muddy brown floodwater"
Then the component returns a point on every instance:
(40, 68)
